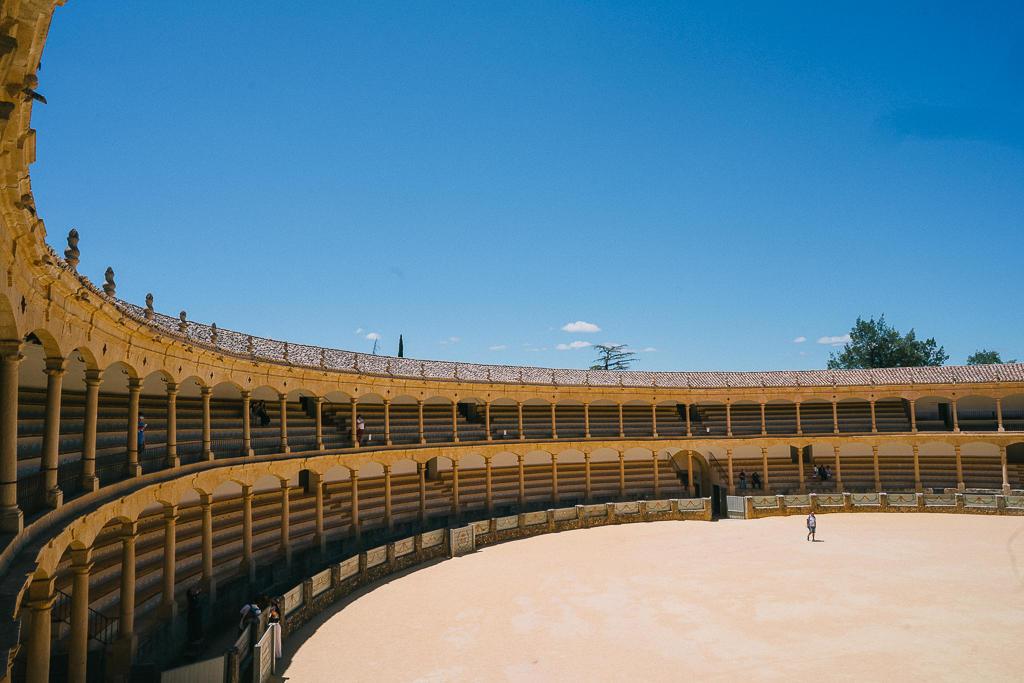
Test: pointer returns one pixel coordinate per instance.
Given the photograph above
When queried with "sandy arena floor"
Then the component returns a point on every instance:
(881, 597)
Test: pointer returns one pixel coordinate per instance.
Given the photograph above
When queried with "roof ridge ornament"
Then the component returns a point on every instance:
(109, 286)
(149, 307)
(72, 253)
(213, 333)
(182, 326)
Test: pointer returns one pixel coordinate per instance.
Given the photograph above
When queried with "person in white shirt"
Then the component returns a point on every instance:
(811, 524)
(360, 426)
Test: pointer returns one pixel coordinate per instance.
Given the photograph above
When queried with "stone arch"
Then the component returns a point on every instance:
(701, 469)
(604, 455)
(472, 461)
(8, 323)
(571, 456)
(537, 457)
(47, 341)
(505, 459)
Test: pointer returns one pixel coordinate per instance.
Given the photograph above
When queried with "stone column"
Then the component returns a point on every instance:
(686, 409)
(357, 529)
(622, 431)
(554, 478)
(764, 425)
(488, 497)
(691, 490)
(657, 481)
(835, 418)
(40, 600)
(388, 522)
(455, 421)
(728, 419)
(959, 470)
(874, 427)
(387, 422)
(319, 537)
(55, 370)
(999, 415)
(419, 404)
(554, 426)
(956, 420)
(248, 566)
(168, 607)
(124, 646)
(520, 404)
(654, 420)
(839, 470)
(586, 477)
(878, 478)
(318, 416)
(487, 420)
(90, 482)
(622, 475)
(172, 460)
(1006, 478)
(78, 640)
(799, 427)
(765, 488)
(353, 416)
(207, 583)
(207, 450)
(421, 470)
(134, 388)
(731, 488)
(282, 402)
(917, 473)
(800, 464)
(246, 424)
(11, 517)
(284, 548)
(913, 418)
(456, 509)
(522, 482)
(586, 420)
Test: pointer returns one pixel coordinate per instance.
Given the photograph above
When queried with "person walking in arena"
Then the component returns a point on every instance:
(811, 524)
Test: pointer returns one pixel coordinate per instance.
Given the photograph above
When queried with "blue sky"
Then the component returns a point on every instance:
(708, 181)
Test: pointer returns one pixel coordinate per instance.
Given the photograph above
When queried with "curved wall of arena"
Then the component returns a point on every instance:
(222, 501)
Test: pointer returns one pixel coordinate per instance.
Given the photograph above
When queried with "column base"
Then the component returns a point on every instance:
(918, 488)
(91, 483)
(12, 520)
(731, 491)
(167, 611)
(206, 455)
(208, 585)
(285, 553)
(1001, 429)
(248, 452)
(123, 652)
(172, 463)
(1006, 489)
(54, 498)
(134, 470)
(286, 449)
(961, 487)
(320, 447)
(247, 568)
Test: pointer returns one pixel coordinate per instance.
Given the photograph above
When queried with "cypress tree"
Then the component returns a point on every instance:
(401, 347)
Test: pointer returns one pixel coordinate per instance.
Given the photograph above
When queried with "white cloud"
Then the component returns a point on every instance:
(450, 340)
(580, 326)
(835, 341)
(373, 335)
(497, 348)
(538, 349)
(573, 345)
(359, 330)
(648, 349)
(803, 353)
(799, 339)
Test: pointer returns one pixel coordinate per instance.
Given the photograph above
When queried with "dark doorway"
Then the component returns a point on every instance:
(716, 500)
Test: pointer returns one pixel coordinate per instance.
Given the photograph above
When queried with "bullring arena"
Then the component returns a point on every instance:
(572, 503)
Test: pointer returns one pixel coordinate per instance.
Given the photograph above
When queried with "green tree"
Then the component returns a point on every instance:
(401, 347)
(984, 357)
(613, 357)
(876, 345)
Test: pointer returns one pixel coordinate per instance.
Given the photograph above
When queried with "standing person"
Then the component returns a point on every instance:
(743, 479)
(812, 522)
(360, 426)
(142, 433)
(195, 618)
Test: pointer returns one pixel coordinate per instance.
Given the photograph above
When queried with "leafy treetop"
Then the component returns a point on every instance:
(877, 345)
(613, 357)
(984, 357)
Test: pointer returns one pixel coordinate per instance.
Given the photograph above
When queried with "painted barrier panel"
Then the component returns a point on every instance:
(433, 538)
(535, 518)
(349, 567)
(595, 510)
(209, 671)
(765, 501)
(1015, 501)
(293, 599)
(830, 499)
(404, 547)
(800, 500)
(659, 506)
(939, 499)
(865, 499)
(902, 499)
(627, 508)
(483, 527)
(565, 514)
(691, 503)
(509, 522)
(321, 582)
(263, 659)
(242, 644)
(461, 541)
(979, 500)
(376, 556)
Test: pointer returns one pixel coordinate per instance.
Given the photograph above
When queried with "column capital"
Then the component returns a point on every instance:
(914, 446)
(82, 569)
(419, 401)
(420, 466)
(10, 351)
(93, 378)
(171, 388)
(286, 485)
(128, 533)
(170, 512)
(56, 367)
(353, 474)
(247, 492)
(387, 469)
(284, 397)
(205, 501)
(81, 558)
(245, 393)
(134, 385)
(205, 391)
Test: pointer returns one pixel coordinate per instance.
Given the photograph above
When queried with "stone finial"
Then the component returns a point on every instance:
(286, 351)
(213, 334)
(72, 253)
(181, 325)
(149, 307)
(108, 285)
(248, 346)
